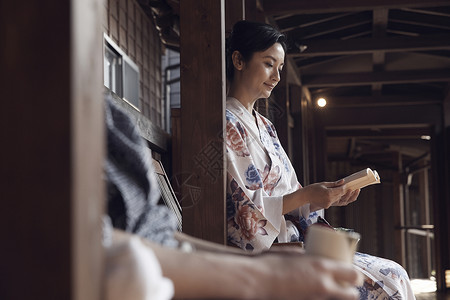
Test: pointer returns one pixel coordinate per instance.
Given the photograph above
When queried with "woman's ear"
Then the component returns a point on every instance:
(238, 60)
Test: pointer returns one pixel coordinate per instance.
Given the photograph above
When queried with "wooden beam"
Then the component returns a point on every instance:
(370, 45)
(321, 6)
(380, 116)
(52, 154)
(203, 118)
(379, 24)
(384, 133)
(291, 22)
(411, 18)
(309, 61)
(382, 100)
(331, 26)
(387, 77)
(158, 138)
(438, 11)
(379, 21)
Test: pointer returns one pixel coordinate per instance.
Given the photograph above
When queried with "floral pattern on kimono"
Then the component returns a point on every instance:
(259, 174)
(385, 279)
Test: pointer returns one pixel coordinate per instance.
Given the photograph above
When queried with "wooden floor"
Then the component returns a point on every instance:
(426, 290)
(432, 296)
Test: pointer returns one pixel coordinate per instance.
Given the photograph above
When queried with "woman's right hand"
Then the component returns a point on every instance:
(320, 195)
(325, 194)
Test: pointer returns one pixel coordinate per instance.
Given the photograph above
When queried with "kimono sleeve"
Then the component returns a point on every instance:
(254, 218)
(299, 219)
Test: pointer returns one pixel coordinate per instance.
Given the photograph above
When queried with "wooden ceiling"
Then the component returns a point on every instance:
(349, 49)
(382, 65)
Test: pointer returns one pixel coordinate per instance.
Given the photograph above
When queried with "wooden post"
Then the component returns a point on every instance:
(51, 123)
(254, 11)
(307, 137)
(317, 140)
(298, 146)
(279, 111)
(398, 211)
(203, 118)
(234, 11)
(445, 283)
(441, 195)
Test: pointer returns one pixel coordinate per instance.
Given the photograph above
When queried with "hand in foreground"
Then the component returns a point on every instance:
(306, 277)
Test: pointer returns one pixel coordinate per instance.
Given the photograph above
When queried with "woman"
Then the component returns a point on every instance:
(265, 202)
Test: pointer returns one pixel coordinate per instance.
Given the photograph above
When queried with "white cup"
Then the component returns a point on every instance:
(329, 243)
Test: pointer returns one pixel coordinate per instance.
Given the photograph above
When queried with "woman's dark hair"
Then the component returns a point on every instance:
(250, 37)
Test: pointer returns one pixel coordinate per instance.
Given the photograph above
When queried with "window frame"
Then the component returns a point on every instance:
(125, 61)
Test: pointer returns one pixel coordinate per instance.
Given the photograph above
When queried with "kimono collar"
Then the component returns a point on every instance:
(255, 127)
(244, 116)
(238, 108)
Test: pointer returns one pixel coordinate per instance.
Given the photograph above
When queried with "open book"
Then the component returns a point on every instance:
(362, 179)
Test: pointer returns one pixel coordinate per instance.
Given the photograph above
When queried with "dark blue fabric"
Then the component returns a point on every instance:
(131, 186)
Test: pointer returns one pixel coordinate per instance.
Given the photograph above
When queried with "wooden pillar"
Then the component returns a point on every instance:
(203, 118)
(51, 123)
(318, 147)
(298, 146)
(425, 205)
(305, 122)
(398, 211)
(234, 11)
(254, 11)
(441, 196)
(279, 111)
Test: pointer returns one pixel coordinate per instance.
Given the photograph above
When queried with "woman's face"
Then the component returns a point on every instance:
(262, 72)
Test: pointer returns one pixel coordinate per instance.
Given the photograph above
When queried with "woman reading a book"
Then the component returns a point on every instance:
(265, 202)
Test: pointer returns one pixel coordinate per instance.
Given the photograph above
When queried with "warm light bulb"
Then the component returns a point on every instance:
(321, 102)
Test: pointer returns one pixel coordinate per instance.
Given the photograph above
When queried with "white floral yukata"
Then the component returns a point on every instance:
(259, 173)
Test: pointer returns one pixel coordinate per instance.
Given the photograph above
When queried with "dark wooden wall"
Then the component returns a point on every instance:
(51, 124)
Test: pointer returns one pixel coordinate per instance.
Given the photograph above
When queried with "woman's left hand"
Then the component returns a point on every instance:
(347, 198)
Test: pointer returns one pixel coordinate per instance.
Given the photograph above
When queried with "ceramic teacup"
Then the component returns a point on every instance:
(329, 243)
